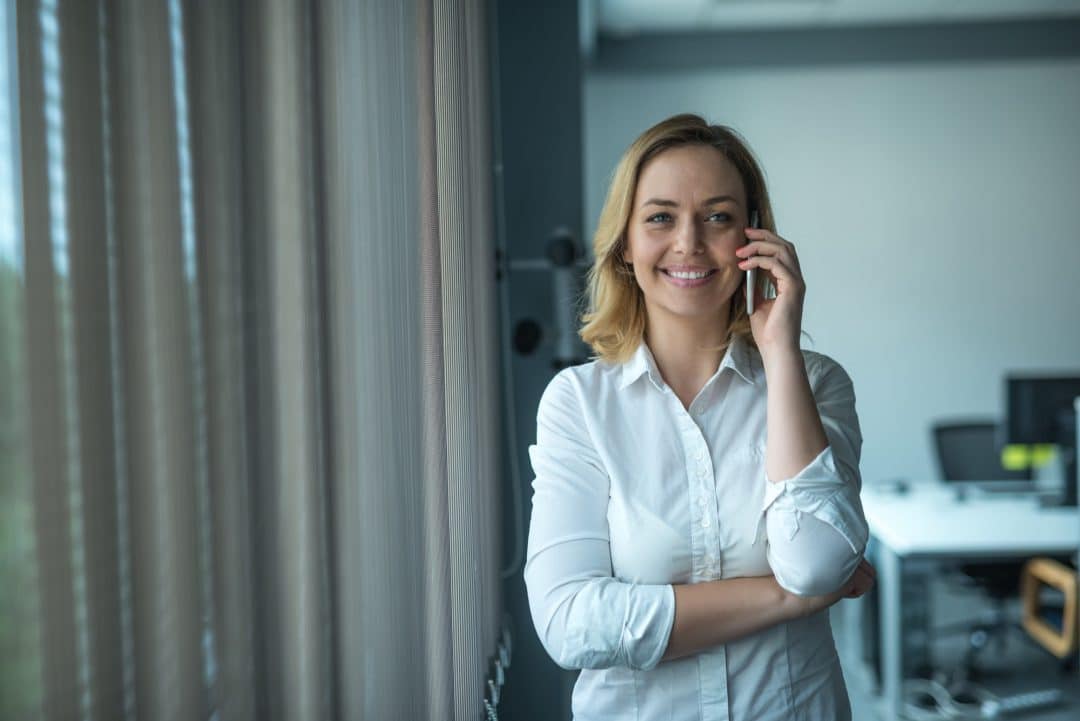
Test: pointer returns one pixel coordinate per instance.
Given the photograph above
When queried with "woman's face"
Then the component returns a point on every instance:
(688, 219)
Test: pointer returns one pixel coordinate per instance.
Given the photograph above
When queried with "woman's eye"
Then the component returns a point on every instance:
(658, 218)
(719, 217)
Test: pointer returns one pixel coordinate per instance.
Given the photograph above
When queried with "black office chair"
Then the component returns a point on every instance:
(970, 450)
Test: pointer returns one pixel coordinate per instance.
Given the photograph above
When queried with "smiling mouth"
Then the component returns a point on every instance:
(683, 275)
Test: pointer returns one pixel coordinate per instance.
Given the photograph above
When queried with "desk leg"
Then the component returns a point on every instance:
(891, 624)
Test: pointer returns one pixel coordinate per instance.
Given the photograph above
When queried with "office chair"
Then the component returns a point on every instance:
(969, 451)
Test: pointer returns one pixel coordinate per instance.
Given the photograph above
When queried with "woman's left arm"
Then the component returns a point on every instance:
(814, 519)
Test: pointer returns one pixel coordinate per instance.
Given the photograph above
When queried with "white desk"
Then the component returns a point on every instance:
(929, 523)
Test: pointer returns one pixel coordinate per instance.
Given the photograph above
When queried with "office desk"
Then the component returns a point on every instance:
(929, 523)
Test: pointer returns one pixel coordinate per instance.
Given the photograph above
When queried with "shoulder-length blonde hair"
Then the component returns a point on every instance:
(614, 324)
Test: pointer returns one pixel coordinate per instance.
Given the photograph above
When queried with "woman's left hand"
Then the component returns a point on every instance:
(861, 581)
(778, 321)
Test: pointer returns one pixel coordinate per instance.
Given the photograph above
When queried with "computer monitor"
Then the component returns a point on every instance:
(1039, 409)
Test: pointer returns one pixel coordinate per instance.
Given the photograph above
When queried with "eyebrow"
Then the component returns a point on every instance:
(672, 204)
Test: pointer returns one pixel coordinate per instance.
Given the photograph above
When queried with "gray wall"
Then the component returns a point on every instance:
(928, 188)
(538, 172)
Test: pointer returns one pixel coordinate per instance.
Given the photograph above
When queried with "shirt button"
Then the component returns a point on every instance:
(702, 473)
(705, 522)
(703, 501)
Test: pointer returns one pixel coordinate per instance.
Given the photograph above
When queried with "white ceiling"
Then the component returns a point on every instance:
(632, 17)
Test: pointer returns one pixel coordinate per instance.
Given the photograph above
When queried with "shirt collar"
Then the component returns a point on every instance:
(639, 364)
(738, 357)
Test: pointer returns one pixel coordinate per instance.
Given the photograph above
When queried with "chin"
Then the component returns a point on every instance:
(698, 310)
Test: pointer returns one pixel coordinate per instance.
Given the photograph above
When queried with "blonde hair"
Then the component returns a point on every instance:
(614, 324)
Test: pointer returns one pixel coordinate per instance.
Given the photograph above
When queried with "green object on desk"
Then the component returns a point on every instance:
(1017, 457)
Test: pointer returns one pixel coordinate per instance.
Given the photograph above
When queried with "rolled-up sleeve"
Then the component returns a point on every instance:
(585, 617)
(814, 522)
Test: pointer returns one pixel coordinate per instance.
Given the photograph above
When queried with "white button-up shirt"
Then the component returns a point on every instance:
(634, 493)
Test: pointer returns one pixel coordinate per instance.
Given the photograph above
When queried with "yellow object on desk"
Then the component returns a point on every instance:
(1017, 457)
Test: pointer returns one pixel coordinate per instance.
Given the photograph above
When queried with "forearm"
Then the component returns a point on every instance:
(795, 433)
(716, 612)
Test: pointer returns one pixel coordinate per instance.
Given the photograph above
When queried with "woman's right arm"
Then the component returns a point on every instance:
(715, 612)
(584, 616)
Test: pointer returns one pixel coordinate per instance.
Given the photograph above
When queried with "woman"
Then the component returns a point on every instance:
(696, 507)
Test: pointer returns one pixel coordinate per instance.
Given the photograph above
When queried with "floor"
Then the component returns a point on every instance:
(1018, 666)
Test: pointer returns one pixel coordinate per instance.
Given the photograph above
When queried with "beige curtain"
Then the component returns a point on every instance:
(252, 321)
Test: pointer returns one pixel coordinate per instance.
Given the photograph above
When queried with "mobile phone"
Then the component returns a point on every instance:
(751, 273)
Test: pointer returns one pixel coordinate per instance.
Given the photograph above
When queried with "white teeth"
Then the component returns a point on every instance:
(687, 276)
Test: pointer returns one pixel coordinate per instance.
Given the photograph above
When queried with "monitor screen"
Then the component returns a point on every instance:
(1039, 408)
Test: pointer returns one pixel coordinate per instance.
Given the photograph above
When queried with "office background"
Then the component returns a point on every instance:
(924, 171)
(927, 189)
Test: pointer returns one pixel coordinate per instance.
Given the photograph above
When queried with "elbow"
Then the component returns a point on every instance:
(575, 659)
(599, 622)
(558, 651)
(576, 652)
(819, 558)
(815, 576)
(553, 638)
(571, 632)
(814, 580)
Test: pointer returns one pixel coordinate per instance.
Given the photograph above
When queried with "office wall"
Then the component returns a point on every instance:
(931, 196)
(538, 161)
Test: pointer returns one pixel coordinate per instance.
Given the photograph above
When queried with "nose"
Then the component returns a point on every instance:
(689, 238)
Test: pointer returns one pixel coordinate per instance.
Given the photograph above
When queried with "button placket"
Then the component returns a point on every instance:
(704, 478)
(703, 511)
(704, 522)
(699, 512)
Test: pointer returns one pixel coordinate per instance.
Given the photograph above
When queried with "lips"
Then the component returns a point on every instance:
(688, 273)
(689, 278)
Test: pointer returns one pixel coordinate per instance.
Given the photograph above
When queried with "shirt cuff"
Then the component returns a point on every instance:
(823, 467)
(648, 632)
(614, 623)
(818, 489)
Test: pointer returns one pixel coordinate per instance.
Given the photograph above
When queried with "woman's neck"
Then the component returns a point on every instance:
(685, 351)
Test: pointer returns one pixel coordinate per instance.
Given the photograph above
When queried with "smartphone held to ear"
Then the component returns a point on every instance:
(751, 273)
(767, 290)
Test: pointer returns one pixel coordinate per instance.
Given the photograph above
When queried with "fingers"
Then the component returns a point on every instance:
(862, 580)
(868, 570)
(765, 242)
(772, 253)
(858, 589)
(774, 265)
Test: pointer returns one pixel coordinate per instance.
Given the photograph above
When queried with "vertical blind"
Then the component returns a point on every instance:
(249, 425)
